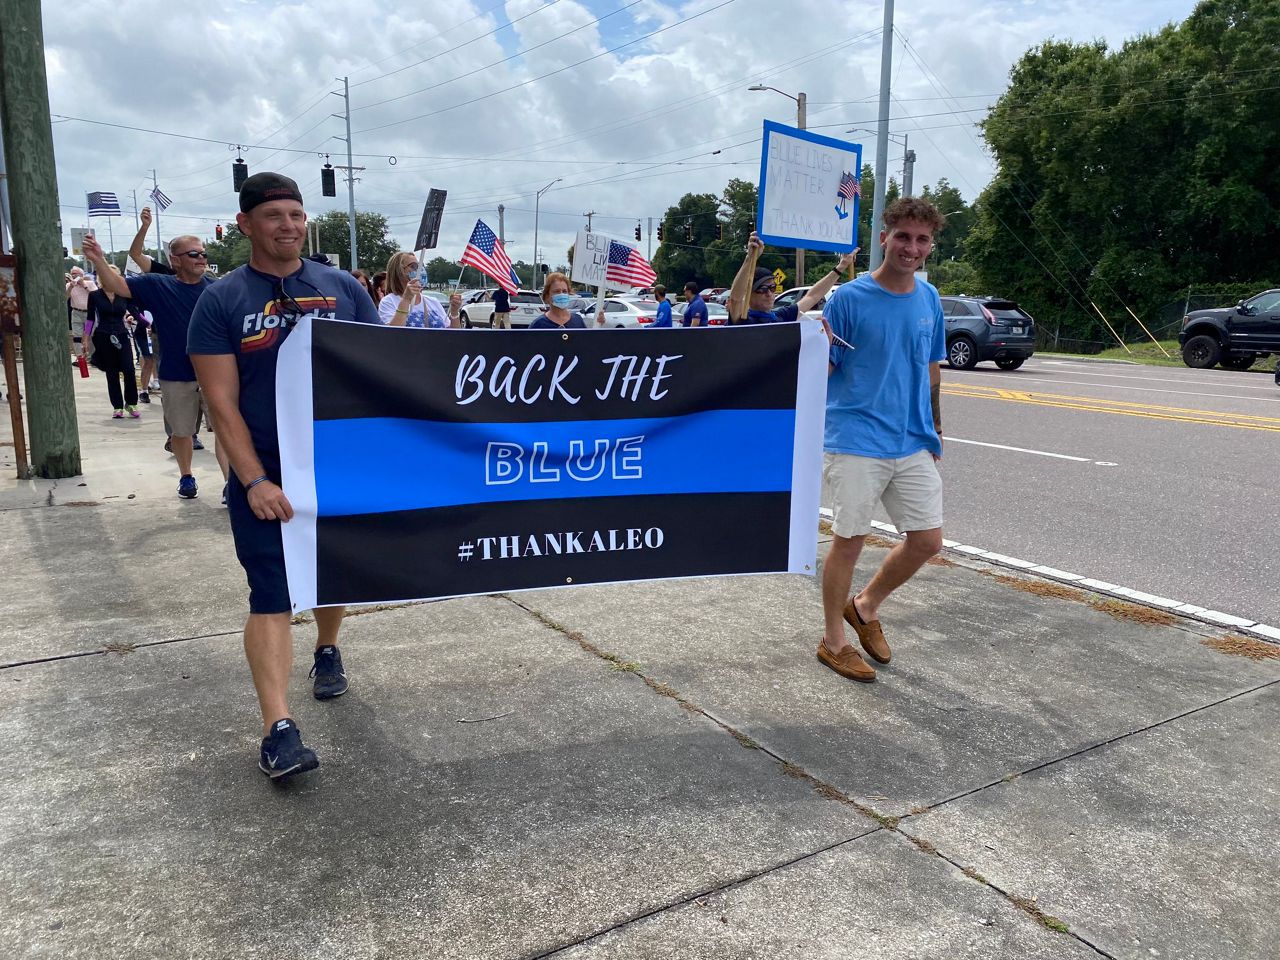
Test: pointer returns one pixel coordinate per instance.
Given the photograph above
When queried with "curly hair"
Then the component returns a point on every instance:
(914, 208)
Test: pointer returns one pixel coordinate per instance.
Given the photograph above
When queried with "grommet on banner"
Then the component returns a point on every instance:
(568, 579)
(564, 336)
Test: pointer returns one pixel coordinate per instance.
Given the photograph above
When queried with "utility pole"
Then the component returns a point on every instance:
(908, 167)
(882, 143)
(37, 241)
(351, 169)
(502, 224)
(649, 257)
(589, 214)
(159, 246)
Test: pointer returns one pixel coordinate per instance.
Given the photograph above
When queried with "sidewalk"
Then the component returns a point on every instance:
(636, 771)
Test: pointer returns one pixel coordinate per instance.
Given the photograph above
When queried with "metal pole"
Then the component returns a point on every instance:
(351, 174)
(908, 167)
(802, 116)
(159, 246)
(650, 256)
(502, 224)
(37, 241)
(882, 144)
(537, 200)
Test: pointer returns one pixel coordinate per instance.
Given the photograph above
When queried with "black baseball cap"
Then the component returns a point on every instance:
(762, 274)
(265, 187)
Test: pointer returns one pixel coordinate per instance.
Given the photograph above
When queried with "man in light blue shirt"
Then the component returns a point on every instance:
(663, 317)
(883, 431)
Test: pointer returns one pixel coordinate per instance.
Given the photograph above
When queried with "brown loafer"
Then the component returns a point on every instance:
(847, 663)
(869, 634)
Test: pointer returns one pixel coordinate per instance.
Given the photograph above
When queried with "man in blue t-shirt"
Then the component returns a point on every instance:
(763, 289)
(234, 341)
(883, 430)
(663, 317)
(695, 314)
(170, 299)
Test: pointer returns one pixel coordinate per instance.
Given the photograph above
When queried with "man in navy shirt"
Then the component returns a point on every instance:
(170, 300)
(695, 314)
(235, 338)
(764, 289)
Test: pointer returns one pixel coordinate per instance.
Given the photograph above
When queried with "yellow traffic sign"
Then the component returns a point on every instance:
(779, 278)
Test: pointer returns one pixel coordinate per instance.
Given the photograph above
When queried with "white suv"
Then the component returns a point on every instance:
(526, 306)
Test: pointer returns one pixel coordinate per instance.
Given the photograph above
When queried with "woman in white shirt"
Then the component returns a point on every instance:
(405, 306)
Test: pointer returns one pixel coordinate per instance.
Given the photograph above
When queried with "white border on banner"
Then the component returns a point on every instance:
(295, 418)
(806, 450)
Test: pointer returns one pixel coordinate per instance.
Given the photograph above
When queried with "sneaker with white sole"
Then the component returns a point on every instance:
(283, 754)
(330, 677)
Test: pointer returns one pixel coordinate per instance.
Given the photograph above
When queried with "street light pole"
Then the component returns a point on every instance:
(802, 119)
(882, 145)
(537, 200)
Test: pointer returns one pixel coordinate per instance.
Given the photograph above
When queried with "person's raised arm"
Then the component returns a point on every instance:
(108, 279)
(137, 248)
(739, 300)
(819, 290)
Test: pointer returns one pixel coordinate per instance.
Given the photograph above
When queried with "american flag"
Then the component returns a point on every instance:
(486, 253)
(627, 267)
(161, 200)
(102, 204)
(849, 187)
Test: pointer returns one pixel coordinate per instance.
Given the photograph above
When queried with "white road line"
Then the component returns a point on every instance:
(1012, 384)
(1001, 446)
(1214, 617)
(1198, 383)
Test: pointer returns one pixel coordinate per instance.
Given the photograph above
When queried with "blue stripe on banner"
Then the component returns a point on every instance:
(381, 464)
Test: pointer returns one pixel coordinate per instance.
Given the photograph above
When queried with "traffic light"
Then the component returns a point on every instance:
(239, 174)
(719, 231)
(660, 233)
(688, 232)
(217, 232)
(637, 231)
(328, 183)
(65, 253)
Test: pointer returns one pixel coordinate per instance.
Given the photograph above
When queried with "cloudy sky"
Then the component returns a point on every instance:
(630, 103)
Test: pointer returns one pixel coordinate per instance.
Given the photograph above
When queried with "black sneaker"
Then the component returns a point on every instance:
(195, 442)
(144, 397)
(331, 679)
(283, 754)
(225, 487)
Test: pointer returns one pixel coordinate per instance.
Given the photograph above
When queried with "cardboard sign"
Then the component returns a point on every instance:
(809, 190)
(77, 240)
(590, 259)
(432, 214)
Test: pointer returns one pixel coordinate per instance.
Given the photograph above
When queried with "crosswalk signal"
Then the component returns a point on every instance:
(719, 231)
(239, 174)
(660, 232)
(637, 231)
(328, 183)
(217, 232)
(688, 232)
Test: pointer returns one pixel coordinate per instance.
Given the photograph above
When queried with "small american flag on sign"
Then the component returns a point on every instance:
(849, 187)
(627, 267)
(486, 253)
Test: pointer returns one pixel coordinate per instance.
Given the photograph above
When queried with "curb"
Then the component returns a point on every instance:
(1191, 611)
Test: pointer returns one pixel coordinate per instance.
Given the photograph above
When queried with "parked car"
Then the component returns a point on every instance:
(717, 316)
(525, 308)
(624, 313)
(788, 297)
(987, 328)
(1232, 337)
(711, 292)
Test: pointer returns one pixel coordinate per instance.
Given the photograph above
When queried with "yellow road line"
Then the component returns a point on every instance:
(1121, 407)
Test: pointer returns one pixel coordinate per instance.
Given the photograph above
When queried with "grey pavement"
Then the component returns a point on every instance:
(1165, 499)
(656, 770)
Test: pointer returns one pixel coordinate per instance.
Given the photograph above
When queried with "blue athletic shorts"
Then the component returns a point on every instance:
(260, 550)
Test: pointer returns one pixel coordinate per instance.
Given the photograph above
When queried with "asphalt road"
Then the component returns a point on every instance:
(1160, 479)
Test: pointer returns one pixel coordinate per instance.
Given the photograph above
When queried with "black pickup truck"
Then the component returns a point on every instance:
(1233, 337)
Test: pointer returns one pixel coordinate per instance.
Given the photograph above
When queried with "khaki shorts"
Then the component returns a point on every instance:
(501, 321)
(183, 406)
(78, 319)
(909, 488)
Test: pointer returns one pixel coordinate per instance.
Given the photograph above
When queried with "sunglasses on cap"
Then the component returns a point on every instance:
(193, 254)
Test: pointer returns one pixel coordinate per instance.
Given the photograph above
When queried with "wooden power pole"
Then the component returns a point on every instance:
(37, 241)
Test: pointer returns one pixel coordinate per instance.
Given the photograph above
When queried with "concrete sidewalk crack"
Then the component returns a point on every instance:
(822, 788)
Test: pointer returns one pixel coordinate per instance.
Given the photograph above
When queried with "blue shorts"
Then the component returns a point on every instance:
(143, 340)
(260, 550)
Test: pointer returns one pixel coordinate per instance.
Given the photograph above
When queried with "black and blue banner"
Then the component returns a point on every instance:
(425, 464)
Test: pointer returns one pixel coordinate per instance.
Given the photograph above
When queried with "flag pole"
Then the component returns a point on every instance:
(159, 248)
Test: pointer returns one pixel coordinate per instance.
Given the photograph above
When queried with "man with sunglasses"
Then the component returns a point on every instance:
(759, 308)
(171, 300)
(236, 333)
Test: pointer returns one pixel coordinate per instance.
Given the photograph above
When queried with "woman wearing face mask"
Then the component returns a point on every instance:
(405, 306)
(555, 294)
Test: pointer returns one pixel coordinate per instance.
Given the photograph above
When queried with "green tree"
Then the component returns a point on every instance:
(374, 245)
(677, 259)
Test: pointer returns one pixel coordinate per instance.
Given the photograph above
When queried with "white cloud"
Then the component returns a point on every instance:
(241, 71)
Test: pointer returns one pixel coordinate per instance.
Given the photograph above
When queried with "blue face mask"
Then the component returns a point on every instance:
(413, 275)
(561, 300)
